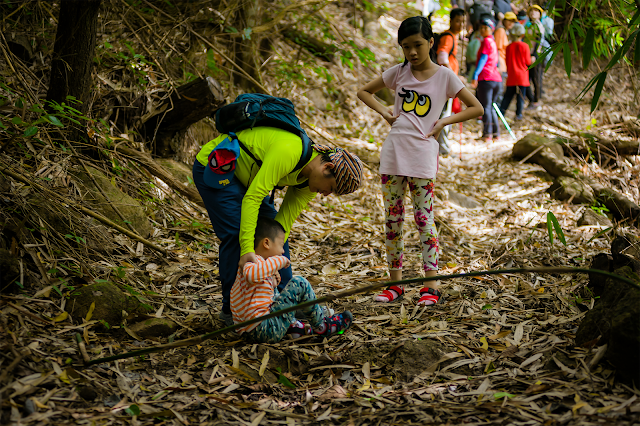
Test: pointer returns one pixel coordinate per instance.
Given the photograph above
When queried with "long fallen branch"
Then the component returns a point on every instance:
(162, 174)
(617, 203)
(342, 294)
(91, 213)
(592, 140)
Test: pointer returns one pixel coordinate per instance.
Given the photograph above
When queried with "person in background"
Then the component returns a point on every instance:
(502, 40)
(475, 40)
(522, 17)
(535, 37)
(446, 54)
(500, 8)
(477, 10)
(488, 80)
(548, 23)
(518, 61)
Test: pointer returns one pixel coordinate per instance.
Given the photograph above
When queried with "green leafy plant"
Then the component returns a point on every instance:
(553, 225)
(284, 380)
(600, 208)
(605, 30)
(76, 238)
(132, 410)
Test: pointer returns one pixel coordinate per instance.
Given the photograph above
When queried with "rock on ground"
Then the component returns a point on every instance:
(591, 218)
(154, 327)
(130, 208)
(531, 142)
(181, 171)
(566, 188)
(462, 200)
(109, 300)
(615, 318)
(408, 358)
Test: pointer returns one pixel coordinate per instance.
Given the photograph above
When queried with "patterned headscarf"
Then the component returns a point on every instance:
(347, 170)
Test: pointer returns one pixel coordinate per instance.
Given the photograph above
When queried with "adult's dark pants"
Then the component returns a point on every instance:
(488, 93)
(535, 75)
(224, 206)
(519, 92)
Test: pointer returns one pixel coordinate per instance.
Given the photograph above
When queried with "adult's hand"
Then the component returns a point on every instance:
(474, 84)
(249, 257)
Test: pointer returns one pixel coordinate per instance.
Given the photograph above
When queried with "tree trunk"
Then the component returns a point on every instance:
(73, 53)
(247, 49)
(189, 103)
(606, 146)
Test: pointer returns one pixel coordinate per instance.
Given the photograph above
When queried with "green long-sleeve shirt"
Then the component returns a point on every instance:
(279, 152)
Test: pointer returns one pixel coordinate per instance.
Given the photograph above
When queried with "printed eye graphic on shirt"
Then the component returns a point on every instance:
(413, 101)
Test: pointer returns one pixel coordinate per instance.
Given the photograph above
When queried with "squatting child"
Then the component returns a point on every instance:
(255, 294)
(409, 155)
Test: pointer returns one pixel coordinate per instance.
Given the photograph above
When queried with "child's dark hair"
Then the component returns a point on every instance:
(267, 228)
(455, 13)
(416, 25)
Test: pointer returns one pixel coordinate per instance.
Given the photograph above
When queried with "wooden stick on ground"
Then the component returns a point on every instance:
(351, 292)
(160, 172)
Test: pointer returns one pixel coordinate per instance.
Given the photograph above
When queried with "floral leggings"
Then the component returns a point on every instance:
(393, 191)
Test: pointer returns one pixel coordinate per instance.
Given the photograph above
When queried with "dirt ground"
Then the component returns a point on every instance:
(497, 350)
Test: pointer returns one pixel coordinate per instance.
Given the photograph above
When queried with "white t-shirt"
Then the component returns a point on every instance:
(407, 151)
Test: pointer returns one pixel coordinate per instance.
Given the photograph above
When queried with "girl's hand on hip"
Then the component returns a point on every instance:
(437, 128)
(390, 117)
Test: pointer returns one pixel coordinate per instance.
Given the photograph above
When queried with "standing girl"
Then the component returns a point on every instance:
(487, 79)
(410, 153)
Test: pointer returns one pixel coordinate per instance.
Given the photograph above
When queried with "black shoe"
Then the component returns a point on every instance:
(227, 319)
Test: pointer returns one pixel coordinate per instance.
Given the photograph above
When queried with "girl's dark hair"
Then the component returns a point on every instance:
(413, 26)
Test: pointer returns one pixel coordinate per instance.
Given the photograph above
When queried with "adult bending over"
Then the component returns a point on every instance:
(234, 208)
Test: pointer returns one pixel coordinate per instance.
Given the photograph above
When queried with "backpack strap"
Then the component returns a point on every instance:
(244, 148)
(452, 39)
(307, 152)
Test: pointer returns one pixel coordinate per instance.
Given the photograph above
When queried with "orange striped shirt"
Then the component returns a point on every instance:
(252, 294)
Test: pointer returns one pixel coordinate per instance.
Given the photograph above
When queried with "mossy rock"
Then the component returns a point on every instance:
(180, 171)
(109, 300)
(128, 206)
(566, 188)
(9, 268)
(531, 142)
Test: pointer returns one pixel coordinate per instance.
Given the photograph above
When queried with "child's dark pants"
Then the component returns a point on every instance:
(535, 75)
(519, 92)
(223, 206)
(487, 93)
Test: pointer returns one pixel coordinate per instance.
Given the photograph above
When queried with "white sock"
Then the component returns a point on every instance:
(381, 298)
